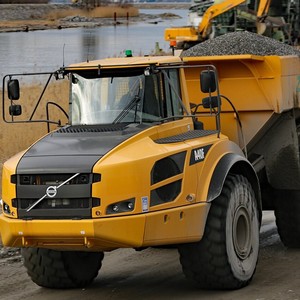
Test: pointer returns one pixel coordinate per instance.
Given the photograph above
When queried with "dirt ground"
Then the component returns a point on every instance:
(156, 274)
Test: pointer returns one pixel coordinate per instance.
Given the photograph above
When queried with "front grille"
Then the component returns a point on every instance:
(53, 179)
(189, 135)
(56, 208)
(55, 203)
(68, 198)
(93, 128)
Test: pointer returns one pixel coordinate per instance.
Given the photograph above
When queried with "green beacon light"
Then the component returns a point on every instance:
(128, 53)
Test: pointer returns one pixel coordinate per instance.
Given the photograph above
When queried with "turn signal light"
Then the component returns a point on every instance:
(172, 43)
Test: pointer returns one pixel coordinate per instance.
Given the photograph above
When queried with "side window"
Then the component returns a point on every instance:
(172, 102)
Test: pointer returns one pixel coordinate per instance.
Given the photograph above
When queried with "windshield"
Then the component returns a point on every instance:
(124, 99)
(111, 100)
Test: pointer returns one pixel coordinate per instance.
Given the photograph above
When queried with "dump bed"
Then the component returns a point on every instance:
(258, 86)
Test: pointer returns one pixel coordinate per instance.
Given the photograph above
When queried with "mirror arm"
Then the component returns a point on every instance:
(3, 96)
(41, 96)
(47, 114)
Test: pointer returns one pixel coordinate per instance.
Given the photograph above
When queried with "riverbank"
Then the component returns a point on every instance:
(18, 17)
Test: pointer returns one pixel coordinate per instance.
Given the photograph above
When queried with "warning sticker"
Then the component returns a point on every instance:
(145, 204)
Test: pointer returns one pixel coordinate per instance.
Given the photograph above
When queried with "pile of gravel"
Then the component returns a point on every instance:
(240, 42)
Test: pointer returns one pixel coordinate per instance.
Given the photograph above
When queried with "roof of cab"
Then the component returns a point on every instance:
(127, 62)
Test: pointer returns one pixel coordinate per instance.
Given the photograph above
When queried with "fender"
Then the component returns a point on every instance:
(236, 164)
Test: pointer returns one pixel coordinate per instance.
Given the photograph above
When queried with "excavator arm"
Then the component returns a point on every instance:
(262, 14)
(214, 11)
(263, 9)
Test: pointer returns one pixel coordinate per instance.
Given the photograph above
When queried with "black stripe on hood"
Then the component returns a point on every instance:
(74, 148)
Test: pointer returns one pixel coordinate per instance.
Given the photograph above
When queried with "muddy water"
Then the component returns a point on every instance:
(48, 50)
(43, 51)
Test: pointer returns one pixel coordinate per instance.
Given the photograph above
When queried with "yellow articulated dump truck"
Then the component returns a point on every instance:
(166, 150)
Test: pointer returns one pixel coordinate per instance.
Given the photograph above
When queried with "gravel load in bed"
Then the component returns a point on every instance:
(240, 42)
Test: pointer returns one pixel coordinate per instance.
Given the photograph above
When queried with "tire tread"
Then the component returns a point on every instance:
(48, 268)
(206, 261)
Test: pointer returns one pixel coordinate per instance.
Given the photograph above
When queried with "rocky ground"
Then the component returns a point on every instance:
(49, 16)
(10, 254)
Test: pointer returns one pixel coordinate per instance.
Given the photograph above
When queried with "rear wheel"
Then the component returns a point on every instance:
(287, 212)
(226, 257)
(61, 269)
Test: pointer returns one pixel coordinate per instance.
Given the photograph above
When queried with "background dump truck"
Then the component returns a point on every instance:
(183, 151)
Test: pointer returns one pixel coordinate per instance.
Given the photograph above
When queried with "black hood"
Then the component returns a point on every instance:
(74, 149)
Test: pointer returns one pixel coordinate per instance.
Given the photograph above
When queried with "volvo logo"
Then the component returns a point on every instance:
(51, 191)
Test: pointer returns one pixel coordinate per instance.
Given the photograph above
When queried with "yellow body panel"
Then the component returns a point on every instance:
(9, 192)
(188, 221)
(125, 173)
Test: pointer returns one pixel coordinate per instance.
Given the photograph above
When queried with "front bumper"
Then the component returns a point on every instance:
(177, 225)
(101, 234)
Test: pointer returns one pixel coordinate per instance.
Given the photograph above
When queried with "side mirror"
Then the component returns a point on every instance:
(211, 102)
(15, 110)
(13, 89)
(208, 81)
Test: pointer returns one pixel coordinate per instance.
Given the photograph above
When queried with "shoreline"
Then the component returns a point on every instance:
(31, 17)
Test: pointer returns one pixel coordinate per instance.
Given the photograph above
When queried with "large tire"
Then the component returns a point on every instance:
(61, 269)
(226, 257)
(287, 213)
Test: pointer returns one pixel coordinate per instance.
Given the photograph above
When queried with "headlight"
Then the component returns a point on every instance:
(5, 207)
(121, 207)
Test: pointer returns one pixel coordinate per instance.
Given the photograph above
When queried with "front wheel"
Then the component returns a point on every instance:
(61, 269)
(227, 255)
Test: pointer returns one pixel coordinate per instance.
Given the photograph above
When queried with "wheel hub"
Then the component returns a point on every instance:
(242, 232)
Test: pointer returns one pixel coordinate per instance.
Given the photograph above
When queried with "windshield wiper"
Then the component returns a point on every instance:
(127, 108)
